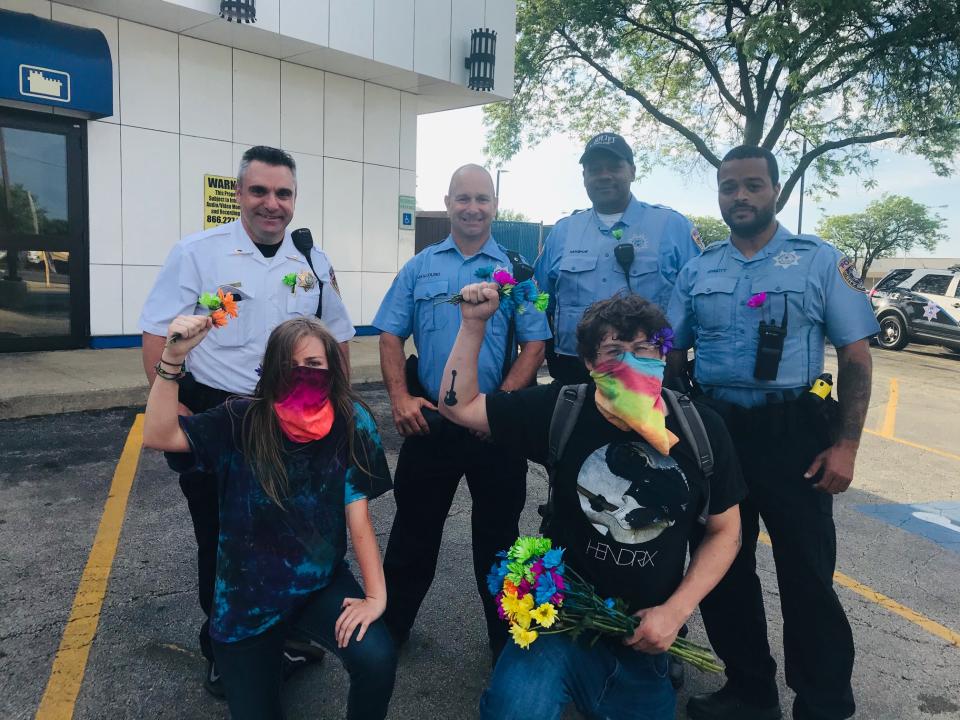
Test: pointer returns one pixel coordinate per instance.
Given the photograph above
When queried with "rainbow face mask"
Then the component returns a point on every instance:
(305, 413)
(628, 395)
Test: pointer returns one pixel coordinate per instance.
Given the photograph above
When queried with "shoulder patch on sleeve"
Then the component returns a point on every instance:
(848, 271)
(333, 282)
(695, 236)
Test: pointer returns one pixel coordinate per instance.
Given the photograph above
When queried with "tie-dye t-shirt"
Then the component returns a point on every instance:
(269, 559)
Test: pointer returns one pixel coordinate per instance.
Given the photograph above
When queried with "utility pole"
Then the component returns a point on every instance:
(802, 178)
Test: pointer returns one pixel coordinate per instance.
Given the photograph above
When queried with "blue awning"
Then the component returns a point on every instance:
(51, 63)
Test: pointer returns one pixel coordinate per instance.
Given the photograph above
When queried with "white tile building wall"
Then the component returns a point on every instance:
(188, 102)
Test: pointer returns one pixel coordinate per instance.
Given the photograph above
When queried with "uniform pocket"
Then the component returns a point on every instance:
(577, 282)
(430, 312)
(239, 330)
(713, 302)
(303, 303)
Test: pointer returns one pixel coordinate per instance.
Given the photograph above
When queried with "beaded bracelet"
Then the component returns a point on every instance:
(161, 373)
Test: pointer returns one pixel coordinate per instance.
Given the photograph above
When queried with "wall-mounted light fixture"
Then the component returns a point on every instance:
(483, 50)
(239, 10)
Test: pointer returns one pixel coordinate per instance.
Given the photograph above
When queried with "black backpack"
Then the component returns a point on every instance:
(564, 418)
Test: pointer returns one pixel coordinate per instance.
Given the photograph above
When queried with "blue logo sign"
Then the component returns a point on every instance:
(40, 82)
(408, 218)
(938, 522)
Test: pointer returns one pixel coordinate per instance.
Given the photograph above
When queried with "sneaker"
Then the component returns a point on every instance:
(724, 704)
(213, 683)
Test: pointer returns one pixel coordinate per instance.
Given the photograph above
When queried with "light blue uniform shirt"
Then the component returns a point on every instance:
(578, 267)
(411, 307)
(229, 356)
(709, 312)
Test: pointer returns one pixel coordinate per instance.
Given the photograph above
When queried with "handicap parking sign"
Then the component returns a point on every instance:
(408, 218)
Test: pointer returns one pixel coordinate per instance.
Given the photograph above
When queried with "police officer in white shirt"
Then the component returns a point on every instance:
(255, 259)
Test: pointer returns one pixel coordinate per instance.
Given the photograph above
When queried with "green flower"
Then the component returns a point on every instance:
(618, 233)
(290, 280)
(209, 301)
(527, 547)
(542, 301)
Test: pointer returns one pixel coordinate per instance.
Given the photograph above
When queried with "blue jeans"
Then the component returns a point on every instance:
(251, 667)
(606, 682)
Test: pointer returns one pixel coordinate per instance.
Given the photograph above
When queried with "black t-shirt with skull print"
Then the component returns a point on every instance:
(623, 511)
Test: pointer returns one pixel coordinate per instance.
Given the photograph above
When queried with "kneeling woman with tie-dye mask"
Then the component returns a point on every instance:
(296, 465)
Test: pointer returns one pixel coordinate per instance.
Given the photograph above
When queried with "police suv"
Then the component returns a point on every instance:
(920, 306)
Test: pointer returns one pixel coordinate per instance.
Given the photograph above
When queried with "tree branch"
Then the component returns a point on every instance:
(697, 141)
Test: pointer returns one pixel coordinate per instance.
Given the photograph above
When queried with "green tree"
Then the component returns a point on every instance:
(711, 229)
(689, 78)
(508, 214)
(887, 226)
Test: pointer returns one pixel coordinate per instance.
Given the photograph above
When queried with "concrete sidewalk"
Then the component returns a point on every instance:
(48, 383)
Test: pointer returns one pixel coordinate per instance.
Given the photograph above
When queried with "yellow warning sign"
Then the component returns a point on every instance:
(219, 200)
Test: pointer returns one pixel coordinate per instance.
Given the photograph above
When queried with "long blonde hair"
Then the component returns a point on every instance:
(262, 436)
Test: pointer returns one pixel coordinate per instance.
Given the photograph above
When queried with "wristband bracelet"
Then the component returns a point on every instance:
(166, 375)
(181, 365)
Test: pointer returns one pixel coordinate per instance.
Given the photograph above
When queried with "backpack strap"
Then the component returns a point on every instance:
(691, 425)
(565, 414)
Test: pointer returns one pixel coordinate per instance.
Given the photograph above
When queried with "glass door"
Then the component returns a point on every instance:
(44, 301)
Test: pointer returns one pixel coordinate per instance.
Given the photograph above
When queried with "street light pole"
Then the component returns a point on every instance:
(499, 170)
(802, 178)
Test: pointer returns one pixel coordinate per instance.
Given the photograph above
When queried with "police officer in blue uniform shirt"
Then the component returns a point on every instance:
(619, 245)
(248, 258)
(436, 454)
(758, 308)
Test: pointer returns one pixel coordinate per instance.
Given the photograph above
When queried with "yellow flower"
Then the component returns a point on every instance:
(522, 637)
(526, 602)
(509, 603)
(522, 618)
(545, 615)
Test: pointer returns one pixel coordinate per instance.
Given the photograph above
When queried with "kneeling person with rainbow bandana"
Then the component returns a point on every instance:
(627, 492)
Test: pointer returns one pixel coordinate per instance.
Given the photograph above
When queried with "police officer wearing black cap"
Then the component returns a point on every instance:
(618, 245)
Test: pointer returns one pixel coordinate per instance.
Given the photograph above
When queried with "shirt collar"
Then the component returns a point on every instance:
(631, 215)
(244, 245)
(490, 248)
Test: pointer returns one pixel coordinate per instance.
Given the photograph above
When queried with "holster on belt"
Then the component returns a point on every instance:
(435, 421)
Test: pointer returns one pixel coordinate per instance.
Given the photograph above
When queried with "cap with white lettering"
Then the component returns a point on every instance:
(608, 142)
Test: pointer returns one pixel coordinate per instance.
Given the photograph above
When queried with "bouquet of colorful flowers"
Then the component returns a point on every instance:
(511, 291)
(537, 594)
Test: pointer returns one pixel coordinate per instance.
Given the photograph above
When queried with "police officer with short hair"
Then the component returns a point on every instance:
(249, 258)
(436, 454)
(619, 245)
(757, 308)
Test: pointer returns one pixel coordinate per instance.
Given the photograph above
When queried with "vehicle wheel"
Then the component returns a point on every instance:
(892, 335)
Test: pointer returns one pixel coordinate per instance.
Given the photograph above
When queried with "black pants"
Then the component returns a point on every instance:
(775, 446)
(428, 472)
(200, 489)
(251, 667)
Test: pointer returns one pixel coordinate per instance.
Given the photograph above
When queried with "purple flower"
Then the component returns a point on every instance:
(757, 300)
(663, 339)
(503, 277)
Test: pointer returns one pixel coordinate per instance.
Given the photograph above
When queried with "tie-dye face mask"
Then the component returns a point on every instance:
(306, 413)
(628, 395)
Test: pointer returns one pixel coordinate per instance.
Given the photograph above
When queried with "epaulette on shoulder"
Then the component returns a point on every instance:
(577, 212)
(714, 246)
(806, 239)
(216, 231)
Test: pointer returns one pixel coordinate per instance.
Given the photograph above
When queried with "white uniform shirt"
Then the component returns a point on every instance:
(225, 255)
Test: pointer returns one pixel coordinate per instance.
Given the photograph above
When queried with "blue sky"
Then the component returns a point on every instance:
(544, 182)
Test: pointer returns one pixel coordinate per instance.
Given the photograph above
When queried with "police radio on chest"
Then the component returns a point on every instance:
(770, 347)
(624, 253)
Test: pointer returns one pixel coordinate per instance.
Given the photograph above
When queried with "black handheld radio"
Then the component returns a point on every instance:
(770, 347)
(624, 253)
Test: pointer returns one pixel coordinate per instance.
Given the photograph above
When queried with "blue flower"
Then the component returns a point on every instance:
(609, 603)
(545, 589)
(484, 273)
(552, 558)
(495, 579)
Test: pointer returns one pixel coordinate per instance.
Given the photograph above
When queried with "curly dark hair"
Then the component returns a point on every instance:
(625, 315)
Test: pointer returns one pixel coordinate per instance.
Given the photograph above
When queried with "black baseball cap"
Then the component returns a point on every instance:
(608, 142)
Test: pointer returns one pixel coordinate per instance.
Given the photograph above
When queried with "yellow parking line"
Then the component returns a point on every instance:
(890, 415)
(918, 446)
(931, 626)
(70, 662)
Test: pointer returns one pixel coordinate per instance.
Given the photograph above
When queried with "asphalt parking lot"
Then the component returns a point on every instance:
(97, 589)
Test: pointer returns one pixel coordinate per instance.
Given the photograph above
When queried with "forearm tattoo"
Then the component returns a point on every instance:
(451, 397)
(853, 392)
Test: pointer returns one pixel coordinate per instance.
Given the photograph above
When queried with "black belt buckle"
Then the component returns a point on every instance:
(769, 351)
